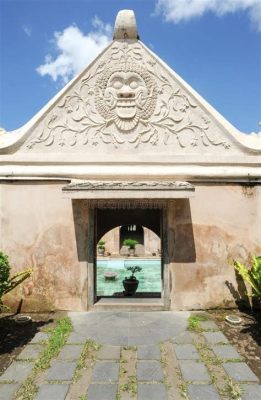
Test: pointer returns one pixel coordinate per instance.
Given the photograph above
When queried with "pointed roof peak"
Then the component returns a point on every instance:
(125, 25)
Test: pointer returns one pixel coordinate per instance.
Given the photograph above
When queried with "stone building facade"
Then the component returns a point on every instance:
(128, 137)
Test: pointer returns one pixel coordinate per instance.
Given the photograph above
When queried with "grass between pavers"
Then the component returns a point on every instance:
(131, 386)
(127, 381)
(53, 345)
(89, 346)
(231, 390)
(194, 322)
(164, 363)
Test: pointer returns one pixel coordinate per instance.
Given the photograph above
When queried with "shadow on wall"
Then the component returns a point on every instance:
(240, 293)
(80, 219)
(182, 234)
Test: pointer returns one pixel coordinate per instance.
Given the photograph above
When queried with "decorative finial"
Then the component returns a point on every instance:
(125, 25)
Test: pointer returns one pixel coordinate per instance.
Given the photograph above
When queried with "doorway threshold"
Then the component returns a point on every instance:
(129, 304)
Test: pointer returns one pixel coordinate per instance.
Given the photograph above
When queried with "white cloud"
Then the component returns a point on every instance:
(27, 30)
(183, 10)
(75, 50)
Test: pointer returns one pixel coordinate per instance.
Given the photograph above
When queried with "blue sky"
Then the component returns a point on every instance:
(213, 44)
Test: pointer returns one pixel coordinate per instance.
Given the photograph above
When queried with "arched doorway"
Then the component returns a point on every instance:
(113, 227)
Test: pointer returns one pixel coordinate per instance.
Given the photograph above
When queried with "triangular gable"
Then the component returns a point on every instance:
(125, 105)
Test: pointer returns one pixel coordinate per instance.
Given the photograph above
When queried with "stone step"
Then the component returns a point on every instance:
(127, 304)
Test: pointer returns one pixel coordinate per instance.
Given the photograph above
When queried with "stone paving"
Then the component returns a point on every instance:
(148, 362)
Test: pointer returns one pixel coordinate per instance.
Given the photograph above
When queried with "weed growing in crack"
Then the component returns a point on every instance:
(131, 386)
(232, 390)
(89, 345)
(53, 345)
(194, 322)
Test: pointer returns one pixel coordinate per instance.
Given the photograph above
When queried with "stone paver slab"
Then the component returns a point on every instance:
(52, 392)
(105, 371)
(240, 372)
(105, 391)
(215, 337)
(152, 391)
(109, 353)
(17, 372)
(186, 352)
(70, 352)
(61, 371)
(7, 390)
(39, 337)
(225, 352)
(208, 325)
(129, 327)
(31, 351)
(250, 391)
(202, 392)
(149, 371)
(76, 338)
(184, 338)
(151, 352)
(193, 371)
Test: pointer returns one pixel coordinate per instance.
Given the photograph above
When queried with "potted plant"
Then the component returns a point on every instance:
(131, 243)
(101, 247)
(131, 283)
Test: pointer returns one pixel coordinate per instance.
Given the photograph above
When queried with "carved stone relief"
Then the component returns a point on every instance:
(129, 185)
(127, 99)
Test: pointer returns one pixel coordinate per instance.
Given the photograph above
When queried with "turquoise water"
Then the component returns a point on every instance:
(149, 278)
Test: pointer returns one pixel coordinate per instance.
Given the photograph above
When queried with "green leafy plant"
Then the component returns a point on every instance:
(251, 274)
(101, 244)
(8, 283)
(194, 322)
(133, 270)
(131, 243)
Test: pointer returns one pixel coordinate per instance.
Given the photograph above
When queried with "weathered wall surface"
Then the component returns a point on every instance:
(40, 229)
(43, 231)
(206, 233)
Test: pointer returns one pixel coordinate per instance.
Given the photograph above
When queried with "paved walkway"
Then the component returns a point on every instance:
(141, 356)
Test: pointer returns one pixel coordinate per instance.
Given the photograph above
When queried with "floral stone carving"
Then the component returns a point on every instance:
(127, 99)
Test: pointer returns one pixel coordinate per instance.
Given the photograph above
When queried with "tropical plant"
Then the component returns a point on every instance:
(133, 270)
(8, 283)
(251, 274)
(131, 243)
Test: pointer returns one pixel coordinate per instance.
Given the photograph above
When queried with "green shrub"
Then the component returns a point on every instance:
(8, 283)
(131, 243)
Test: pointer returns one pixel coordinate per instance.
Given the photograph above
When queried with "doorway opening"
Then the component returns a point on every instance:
(115, 230)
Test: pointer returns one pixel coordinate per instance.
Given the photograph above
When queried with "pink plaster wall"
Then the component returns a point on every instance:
(221, 223)
(42, 230)
(38, 231)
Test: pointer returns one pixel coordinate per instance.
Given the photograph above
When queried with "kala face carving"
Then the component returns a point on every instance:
(125, 96)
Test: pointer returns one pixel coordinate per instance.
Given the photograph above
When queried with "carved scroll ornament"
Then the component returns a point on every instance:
(127, 99)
